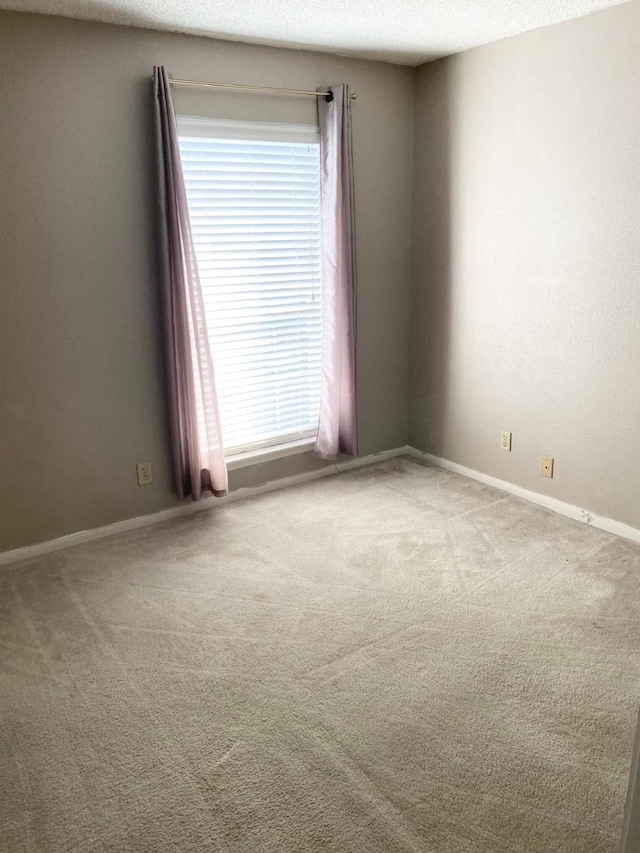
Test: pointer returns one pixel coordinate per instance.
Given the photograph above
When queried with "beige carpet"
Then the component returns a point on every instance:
(394, 659)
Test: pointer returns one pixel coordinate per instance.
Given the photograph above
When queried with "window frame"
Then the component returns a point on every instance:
(208, 128)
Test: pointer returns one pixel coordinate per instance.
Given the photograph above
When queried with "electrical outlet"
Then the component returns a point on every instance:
(505, 441)
(546, 469)
(145, 473)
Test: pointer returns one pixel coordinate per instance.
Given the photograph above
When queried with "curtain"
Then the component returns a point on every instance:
(337, 427)
(196, 437)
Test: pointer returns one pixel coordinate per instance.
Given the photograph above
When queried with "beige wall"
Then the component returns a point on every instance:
(526, 299)
(525, 305)
(81, 370)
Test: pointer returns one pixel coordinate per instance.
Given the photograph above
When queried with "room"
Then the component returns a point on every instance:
(427, 639)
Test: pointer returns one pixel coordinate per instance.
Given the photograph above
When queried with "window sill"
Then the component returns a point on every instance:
(266, 454)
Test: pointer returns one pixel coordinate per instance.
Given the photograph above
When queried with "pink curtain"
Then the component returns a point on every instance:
(196, 437)
(337, 427)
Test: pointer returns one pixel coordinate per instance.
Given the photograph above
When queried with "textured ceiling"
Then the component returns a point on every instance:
(405, 31)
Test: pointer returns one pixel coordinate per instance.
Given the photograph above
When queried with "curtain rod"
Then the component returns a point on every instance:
(250, 88)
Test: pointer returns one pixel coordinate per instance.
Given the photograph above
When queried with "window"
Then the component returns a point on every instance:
(253, 192)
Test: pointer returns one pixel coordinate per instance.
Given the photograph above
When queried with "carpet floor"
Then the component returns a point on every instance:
(388, 660)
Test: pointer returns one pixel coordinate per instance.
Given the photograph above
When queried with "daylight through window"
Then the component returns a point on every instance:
(253, 192)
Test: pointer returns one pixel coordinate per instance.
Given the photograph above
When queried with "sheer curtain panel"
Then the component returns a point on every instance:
(196, 438)
(337, 427)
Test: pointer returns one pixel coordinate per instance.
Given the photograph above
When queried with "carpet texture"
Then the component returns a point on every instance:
(392, 659)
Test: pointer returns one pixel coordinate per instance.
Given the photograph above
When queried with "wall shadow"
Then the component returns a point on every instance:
(432, 263)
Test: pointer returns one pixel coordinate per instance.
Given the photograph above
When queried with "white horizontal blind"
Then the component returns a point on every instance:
(254, 206)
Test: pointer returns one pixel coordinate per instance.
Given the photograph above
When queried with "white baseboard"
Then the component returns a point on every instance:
(574, 512)
(30, 552)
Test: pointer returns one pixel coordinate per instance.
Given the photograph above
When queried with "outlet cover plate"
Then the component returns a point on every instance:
(546, 467)
(505, 440)
(145, 473)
